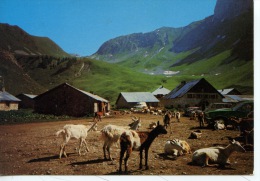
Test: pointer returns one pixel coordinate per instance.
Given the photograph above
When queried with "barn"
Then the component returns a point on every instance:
(68, 100)
(130, 99)
(8, 102)
(193, 93)
(27, 100)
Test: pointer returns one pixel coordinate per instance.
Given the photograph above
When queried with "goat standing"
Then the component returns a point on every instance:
(111, 134)
(167, 119)
(75, 131)
(146, 139)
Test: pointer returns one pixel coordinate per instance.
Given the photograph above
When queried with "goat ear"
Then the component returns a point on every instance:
(233, 141)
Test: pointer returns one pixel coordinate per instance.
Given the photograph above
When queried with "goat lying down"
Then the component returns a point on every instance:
(75, 131)
(176, 147)
(214, 156)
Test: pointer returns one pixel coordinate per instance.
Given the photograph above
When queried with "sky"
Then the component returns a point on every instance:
(82, 26)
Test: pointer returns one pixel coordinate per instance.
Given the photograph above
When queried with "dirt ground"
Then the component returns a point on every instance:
(32, 149)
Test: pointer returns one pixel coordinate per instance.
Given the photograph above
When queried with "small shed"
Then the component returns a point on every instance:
(68, 100)
(160, 92)
(8, 101)
(130, 99)
(27, 100)
(230, 91)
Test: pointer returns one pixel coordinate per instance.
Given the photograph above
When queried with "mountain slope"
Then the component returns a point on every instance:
(224, 39)
(16, 40)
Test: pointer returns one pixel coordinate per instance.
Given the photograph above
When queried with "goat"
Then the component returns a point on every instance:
(111, 134)
(178, 116)
(152, 125)
(75, 131)
(201, 119)
(195, 134)
(219, 125)
(146, 139)
(216, 155)
(193, 115)
(167, 119)
(173, 147)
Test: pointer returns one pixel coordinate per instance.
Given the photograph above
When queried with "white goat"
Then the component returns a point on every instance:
(176, 147)
(219, 125)
(111, 135)
(216, 155)
(75, 131)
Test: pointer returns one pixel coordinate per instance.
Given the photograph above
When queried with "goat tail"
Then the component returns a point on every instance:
(59, 132)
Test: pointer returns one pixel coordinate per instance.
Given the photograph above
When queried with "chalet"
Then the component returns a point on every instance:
(68, 100)
(130, 99)
(8, 102)
(27, 100)
(231, 91)
(160, 92)
(194, 93)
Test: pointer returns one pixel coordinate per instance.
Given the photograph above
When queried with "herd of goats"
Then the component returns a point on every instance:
(132, 139)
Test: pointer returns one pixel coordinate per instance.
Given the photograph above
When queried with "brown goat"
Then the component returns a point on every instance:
(129, 142)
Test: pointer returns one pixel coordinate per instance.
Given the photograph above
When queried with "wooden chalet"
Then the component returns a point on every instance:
(8, 102)
(68, 100)
(27, 101)
(130, 99)
(194, 93)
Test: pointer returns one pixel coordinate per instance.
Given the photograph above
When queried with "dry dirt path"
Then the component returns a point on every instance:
(32, 149)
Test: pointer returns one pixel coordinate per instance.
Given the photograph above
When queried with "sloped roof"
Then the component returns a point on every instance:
(139, 97)
(184, 87)
(238, 98)
(5, 96)
(225, 91)
(161, 91)
(96, 97)
(181, 89)
(28, 95)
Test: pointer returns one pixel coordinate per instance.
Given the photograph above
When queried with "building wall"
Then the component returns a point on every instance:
(65, 101)
(8, 106)
(26, 102)
(192, 99)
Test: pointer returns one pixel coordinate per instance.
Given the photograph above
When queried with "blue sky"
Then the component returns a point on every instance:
(82, 26)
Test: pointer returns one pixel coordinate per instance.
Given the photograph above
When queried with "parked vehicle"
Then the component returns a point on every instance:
(220, 105)
(241, 110)
(188, 111)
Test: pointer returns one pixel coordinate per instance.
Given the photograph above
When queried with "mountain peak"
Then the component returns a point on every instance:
(229, 9)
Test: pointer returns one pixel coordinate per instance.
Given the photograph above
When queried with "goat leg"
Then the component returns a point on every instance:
(122, 152)
(141, 157)
(104, 151)
(146, 159)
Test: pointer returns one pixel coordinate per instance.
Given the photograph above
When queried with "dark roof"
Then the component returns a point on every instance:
(27, 95)
(5, 96)
(96, 97)
(184, 87)
(139, 97)
(181, 89)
